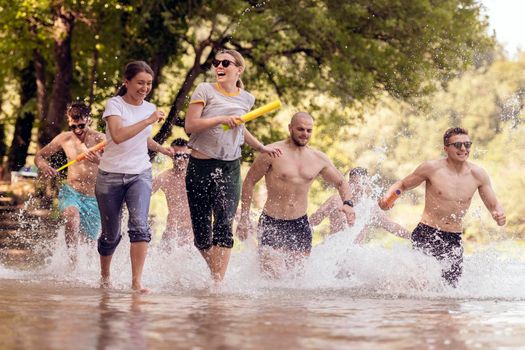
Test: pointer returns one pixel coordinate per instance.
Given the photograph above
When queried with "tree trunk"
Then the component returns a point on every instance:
(93, 77)
(41, 92)
(157, 63)
(24, 121)
(173, 118)
(3, 146)
(22, 137)
(60, 96)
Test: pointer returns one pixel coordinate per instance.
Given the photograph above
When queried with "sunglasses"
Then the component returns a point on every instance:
(225, 63)
(458, 145)
(181, 155)
(77, 126)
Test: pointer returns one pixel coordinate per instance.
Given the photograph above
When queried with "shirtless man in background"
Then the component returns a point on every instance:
(172, 182)
(284, 233)
(450, 184)
(361, 191)
(77, 201)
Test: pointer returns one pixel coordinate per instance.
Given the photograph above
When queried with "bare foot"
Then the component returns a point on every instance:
(140, 289)
(215, 287)
(105, 283)
(72, 259)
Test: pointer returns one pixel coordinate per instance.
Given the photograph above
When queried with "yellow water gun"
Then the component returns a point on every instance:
(257, 112)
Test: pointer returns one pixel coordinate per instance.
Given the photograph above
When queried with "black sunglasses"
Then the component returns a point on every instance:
(79, 126)
(225, 63)
(458, 145)
(181, 155)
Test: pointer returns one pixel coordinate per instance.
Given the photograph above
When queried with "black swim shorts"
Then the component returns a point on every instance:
(444, 246)
(293, 235)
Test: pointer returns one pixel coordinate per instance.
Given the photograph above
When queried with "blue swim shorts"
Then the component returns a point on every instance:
(87, 207)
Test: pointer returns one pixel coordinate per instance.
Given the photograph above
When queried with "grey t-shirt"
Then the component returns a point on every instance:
(216, 142)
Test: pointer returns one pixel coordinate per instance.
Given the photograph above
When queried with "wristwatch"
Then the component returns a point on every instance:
(348, 202)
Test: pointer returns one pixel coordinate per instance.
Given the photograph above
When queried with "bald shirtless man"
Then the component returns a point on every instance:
(285, 238)
(77, 201)
(173, 183)
(361, 189)
(450, 184)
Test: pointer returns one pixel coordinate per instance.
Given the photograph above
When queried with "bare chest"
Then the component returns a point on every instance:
(457, 188)
(73, 147)
(292, 170)
(174, 187)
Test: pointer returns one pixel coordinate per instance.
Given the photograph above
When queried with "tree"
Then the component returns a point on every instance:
(321, 55)
(350, 51)
(24, 122)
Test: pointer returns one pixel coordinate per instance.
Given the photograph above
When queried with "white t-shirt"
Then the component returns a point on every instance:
(130, 156)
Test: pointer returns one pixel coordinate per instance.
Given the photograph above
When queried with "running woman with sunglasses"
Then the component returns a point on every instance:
(124, 174)
(76, 198)
(173, 183)
(450, 185)
(213, 178)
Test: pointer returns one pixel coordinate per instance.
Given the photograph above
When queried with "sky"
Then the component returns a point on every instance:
(506, 17)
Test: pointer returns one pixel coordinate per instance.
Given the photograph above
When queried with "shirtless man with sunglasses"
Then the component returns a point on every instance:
(173, 183)
(450, 185)
(77, 201)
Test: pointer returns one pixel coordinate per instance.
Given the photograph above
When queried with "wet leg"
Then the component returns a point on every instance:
(138, 252)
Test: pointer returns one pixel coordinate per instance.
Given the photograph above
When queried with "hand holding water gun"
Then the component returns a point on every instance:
(256, 113)
(386, 203)
(98, 147)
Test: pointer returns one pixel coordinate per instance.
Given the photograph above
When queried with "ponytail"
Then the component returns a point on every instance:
(122, 90)
(239, 83)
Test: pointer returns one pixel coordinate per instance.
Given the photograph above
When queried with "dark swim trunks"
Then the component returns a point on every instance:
(294, 235)
(442, 245)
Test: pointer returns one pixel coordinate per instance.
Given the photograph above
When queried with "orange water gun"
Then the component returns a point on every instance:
(389, 201)
(99, 146)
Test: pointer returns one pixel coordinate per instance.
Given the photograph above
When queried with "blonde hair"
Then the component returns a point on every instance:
(239, 62)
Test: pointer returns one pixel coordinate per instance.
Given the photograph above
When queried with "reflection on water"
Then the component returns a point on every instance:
(365, 297)
(51, 315)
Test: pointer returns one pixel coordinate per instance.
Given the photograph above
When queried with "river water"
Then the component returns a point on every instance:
(349, 296)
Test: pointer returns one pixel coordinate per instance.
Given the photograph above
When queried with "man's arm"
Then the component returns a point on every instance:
(393, 227)
(333, 203)
(360, 238)
(411, 181)
(158, 182)
(489, 198)
(259, 168)
(47, 151)
(334, 177)
(156, 147)
(382, 221)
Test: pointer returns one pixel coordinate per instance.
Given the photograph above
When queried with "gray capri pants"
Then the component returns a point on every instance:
(112, 191)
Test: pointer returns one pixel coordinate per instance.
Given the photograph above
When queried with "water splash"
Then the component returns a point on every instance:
(246, 11)
(336, 264)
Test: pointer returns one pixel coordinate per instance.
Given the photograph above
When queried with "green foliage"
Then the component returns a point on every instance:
(359, 67)
(395, 137)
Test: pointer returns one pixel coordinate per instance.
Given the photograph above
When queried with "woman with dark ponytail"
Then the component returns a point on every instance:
(125, 170)
(213, 176)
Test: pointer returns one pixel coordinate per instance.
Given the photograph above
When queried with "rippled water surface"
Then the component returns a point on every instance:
(348, 296)
(52, 315)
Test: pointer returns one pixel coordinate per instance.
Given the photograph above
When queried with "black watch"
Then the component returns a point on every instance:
(348, 202)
